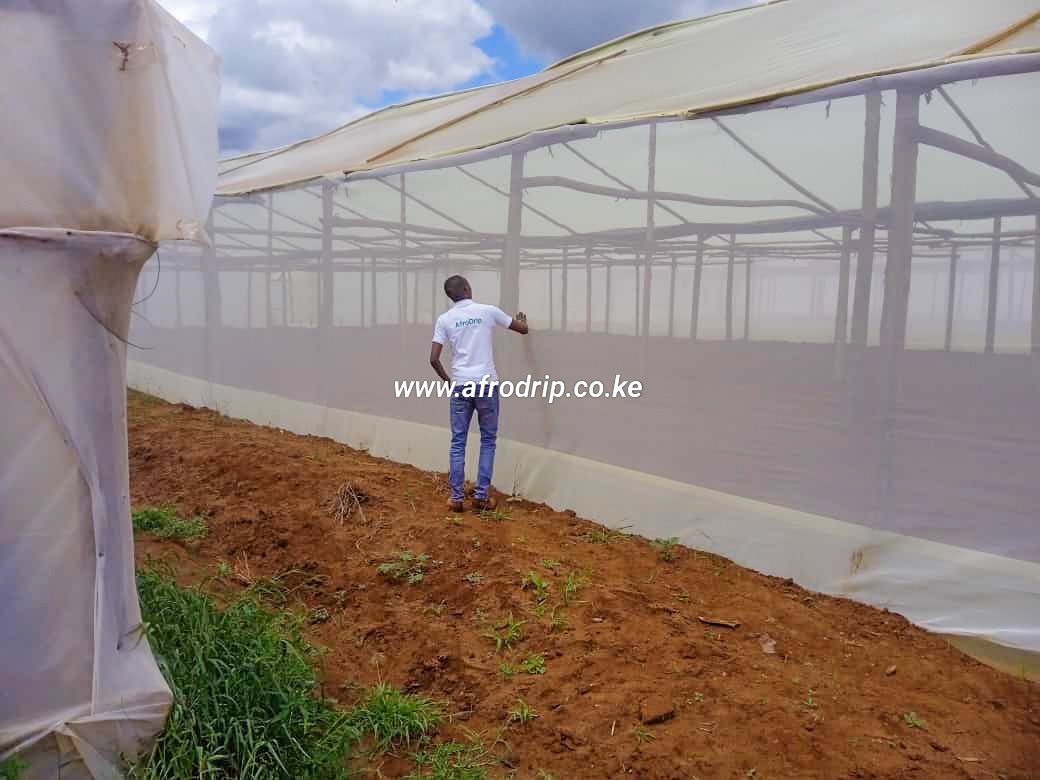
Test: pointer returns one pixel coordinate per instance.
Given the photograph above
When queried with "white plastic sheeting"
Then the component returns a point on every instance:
(728, 59)
(832, 300)
(109, 144)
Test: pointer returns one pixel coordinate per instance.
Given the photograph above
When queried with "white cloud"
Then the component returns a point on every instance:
(556, 28)
(296, 68)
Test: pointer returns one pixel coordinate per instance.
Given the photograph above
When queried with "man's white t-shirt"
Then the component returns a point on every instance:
(467, 327)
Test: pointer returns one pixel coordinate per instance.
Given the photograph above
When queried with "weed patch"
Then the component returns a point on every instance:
(166, 524)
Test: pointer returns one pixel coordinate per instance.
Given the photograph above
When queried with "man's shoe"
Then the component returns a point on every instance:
(485, 504)
(455, 506)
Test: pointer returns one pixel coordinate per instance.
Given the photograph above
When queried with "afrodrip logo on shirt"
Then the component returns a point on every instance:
(546, 389)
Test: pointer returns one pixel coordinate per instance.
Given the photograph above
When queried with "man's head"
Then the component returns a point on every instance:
(457, 288)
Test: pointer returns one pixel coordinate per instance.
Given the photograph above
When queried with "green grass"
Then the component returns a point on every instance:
(243, 684)
(12, 768)
(406, 566)
(451, 761)
(166, 524)
(393, 718)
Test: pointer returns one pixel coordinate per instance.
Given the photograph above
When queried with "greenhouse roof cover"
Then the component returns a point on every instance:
(729, 59)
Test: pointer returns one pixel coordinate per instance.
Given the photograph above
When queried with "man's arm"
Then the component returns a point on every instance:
(435, 361)
(519, 323)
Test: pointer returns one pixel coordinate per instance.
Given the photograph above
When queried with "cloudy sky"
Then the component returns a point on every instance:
(296, 68)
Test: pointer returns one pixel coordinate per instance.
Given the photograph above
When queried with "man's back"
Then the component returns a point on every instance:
(468, 327)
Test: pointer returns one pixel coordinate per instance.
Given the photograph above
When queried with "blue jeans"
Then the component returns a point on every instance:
(462, 410)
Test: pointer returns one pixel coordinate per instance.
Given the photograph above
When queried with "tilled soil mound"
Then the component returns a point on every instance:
(639, 677)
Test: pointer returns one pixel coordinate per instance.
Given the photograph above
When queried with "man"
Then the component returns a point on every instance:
(468, 327)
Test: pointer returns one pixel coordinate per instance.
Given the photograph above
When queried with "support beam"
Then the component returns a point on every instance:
(375, 320)
(900, 240)
(865, 253)
(747, 298)
(402, 287)
(695, 299)
(729, 286)
(563, 292)
(328, 190)
(841, 312)
(588, 290)
(509, 294)
(671, 298)
(994, 283)
(648, 256)
(1035, 323)
(951, 294)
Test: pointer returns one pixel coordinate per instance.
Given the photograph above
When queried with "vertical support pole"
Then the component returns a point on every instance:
(841, 314)
(588, 290)
(865, 251)
(510, 287)
(563, 293)
(639, 290)
(435, 288)
(897, 282)
(372, 300)
(361, 291)
(1034, 340)
(729, 285)
(900, 236)
(211, 278)
(994, 283)
(270, 252)
(179, 321)
(415, 297)
(747, 298)
(671, 298)
(249, 299)
(402, 287)
(328, 190)
(951, 293)
(551, 313)
(651, 185)
(606, 308)
(695, 301)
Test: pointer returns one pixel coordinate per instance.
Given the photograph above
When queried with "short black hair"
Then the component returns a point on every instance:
(455, 286)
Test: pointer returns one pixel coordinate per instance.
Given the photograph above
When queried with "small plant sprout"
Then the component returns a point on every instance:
(810, 702)
(667, 549)
(698, 696)
(406, 566)
(506, 669)
(507, 634)
(474, 578)
(452, 761)
(557, 620)
(911, 720)
(575, 581)
(540, 586)
(543, 775)
(551, 564)
(534, 664)
(643, 735)
(522, 712)
(494, 514)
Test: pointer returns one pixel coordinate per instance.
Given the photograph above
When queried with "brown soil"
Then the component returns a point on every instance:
(832, 701)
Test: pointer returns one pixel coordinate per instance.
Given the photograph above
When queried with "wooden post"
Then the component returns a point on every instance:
(563, 293)
(841, 314)
(747, 299)
(729, 286)
(588, 290)
(994, 282)
(951, 293)
(671, 299)
(865, 252)
(510, 286)
(695, 299)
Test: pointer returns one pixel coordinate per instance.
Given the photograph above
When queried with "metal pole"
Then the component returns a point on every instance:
(951, 293)
(510, 287)
(841, 315)
(563, 293)
(994, 281)
(588, 290)
(402, 287)
(729, 286)
(695, 300)
(651, 184)
(747, 299)
(865, 252)
(671, 299)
